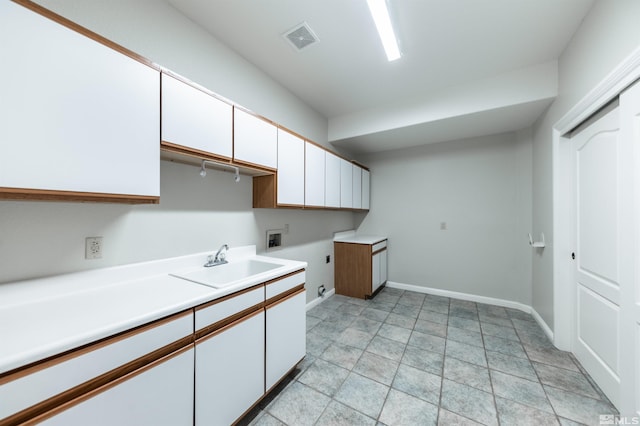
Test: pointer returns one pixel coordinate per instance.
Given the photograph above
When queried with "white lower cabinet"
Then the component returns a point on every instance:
(229, 371)
(245, 343)
(158, 394)
(285, 336)
(378, 269)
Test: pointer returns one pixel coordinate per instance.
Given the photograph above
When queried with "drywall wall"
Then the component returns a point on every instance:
(194, 214)
(609, 33)
(481, 189)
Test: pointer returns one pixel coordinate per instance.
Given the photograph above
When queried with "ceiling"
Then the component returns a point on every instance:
(469, 67)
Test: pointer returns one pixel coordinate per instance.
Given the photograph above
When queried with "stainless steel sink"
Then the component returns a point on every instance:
(224, 275)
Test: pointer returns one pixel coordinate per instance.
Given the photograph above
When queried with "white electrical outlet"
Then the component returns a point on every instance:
(93, 248)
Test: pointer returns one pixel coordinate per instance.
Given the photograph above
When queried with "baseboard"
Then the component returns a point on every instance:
(547, 330)
(475, 298)
(318, 300)
(462, 296)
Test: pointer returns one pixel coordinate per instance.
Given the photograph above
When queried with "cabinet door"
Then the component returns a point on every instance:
(331, 180)
(75, 115)
(290, 169)
(229, 371)
(286, 336)
(375, 271)
(378, 270)
(365, 189)
(314, 175)
(357, 187)
(346, 184)
(255, 140)
(195, 119)
(159, 394)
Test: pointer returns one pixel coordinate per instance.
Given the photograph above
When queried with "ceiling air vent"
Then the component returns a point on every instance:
(300, 36)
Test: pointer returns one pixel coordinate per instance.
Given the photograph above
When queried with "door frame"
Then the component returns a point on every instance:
(622, 76)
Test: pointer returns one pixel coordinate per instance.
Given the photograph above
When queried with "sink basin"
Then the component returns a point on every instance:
(224, 275)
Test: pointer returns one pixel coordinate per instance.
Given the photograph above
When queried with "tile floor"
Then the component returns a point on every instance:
(407, 358)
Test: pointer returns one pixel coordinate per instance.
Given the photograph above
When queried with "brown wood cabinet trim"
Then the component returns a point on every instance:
(290, 274)
(305, 139)
(211, 328)
(228, 296)
(195, 85)
(283, 297)
(378, 251)
(261, 117)
(192, 152)
(362, 166)
(108, 385)
(43, 364)
(74, 196)
(40, 10)
(264, 192)
(79, 393)
(258, 167)
(290, 206)
(255, 310)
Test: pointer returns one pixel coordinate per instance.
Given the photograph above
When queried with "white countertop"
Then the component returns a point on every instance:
(44, 317)
(360, 239)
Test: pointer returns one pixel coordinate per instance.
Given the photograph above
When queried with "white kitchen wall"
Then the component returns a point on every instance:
(609, 33)
(195, 214)
(481, 188)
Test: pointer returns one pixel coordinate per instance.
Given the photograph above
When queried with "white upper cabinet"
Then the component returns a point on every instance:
(195, 119)
(366, 188)
(255, 140)
(357, 187)
(314, 175)
(346, 184)
(331, 180)
(290, 169)
(75, 115)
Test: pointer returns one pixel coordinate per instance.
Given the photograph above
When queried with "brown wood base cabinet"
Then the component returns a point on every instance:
(360, 266)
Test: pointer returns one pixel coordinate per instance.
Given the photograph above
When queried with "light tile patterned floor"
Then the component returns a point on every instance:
(407, 358)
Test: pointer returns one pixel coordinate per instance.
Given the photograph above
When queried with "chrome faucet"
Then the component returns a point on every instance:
(219, 258)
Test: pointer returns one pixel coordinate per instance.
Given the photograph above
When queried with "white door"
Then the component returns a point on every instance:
(346, 184)
(290, 169)
(158, 394)
(314, 176)
(332, 180)
(365, 189)
(601, 249)
(285, 336)
(229, 371)
(630, 305)
(356, 184)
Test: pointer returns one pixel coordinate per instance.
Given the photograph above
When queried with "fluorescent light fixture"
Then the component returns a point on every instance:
(381, 17)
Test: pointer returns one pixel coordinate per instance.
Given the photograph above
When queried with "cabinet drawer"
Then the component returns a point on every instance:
(279, 286)
(379, 246)
(228, 306)
(28, 387)
(136, 399)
